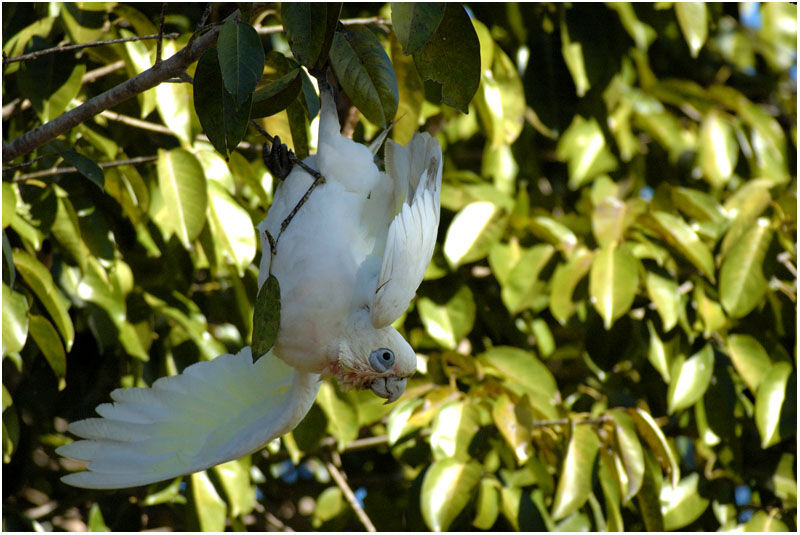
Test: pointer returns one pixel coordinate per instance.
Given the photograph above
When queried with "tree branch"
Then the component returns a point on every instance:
(114, 96)
(159, 43)
(351, 498)
(67, 48)
(64, 170)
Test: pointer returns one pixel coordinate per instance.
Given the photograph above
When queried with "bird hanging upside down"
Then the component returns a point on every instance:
(348, 264)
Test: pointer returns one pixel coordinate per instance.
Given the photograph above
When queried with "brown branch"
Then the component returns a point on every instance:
(566, 421)
(67, 48)
(64, 170)
(351, 498)
(114, 96)
(159, 43)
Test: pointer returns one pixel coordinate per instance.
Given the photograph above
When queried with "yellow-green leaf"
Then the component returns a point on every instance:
(446, 489)
(575, 483)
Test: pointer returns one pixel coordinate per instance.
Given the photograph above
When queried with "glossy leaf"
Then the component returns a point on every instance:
(659, 353)
(15, 321)
(513, 427)
(209, 506)
(680, 236)
(173, 102)
(690, 379)
(522, 285)
(613, 282)
(446, 489)
(182, 183)
(266, 316)
(449, 322)
(453, 428)
(277, 95)
(585, 150)
(309, 29)
(629, 450)
(241, 59)
(682, 504)
(652, 434)
(749, 358)
(39, 279)
(719, 150)
(415, 23)
(366, 74)
(566, 278)
(742, 280)
(235, 479)
(487, 507)
(770, 398)
(86, 167)
(693, 21)
(575, 481)
(342, 417)
(663, 292)
(231, 227)
(523, 368)
(46, 337)
(450, 63)
(473, 231)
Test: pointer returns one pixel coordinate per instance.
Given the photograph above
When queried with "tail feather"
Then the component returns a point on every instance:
(213, 412)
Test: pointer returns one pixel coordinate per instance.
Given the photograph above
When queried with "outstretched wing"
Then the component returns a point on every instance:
(215, 411)
(416, 171)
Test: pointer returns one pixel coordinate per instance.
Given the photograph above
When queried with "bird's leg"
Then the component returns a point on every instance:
(278, 158)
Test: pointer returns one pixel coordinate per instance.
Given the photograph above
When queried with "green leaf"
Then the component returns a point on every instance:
(719, 150)
(415, 23)
(410, 93)
(682, 504)
(522, 286)
(742, 280)
(487, 506)
(277, 95)
(39, 279)
(95, 521)
(309, 29)
(772, 392)
(766, 522)
(641, 33)
(693, 20)
(209, 507)
(231, 227)
(58, 101)
(452, 430)
(555, 233)
(679, 235)
(446, 489)
(241, 59)
(86, 167)
(608, 221)
(583, 146)
(652, 434)
(575, 483)
(66, 229)
(659, 353)
(223, 121)
(8, 260)
(698, 205)
(173, 102)
(342, 417)
(10, 200)
(512, 427)
(235, 479)
(46, 337)
(566, 278)
(572, 51)
(663, 292)
(450, 322)
(183, 185)
(473, 232)
(648, 497)
(140, 58)
(450, 63)
(365, 72)
(266, 316)
(126, 185)
(523, 368)
(613, 282)
(749, 358)
(690, 379)
(611, 492)
(330, 504)
(397, 425)
(629, 449)
(15, 321)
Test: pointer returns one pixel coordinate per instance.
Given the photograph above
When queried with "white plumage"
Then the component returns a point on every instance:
(348, 264)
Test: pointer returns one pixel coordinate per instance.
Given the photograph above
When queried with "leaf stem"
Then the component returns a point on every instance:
(351, 498)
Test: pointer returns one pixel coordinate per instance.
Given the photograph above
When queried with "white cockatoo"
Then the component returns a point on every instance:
(348, 264)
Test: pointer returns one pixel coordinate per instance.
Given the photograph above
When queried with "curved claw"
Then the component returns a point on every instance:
(390, 388)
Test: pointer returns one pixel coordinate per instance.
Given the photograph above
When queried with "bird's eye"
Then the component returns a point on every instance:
(381, 360)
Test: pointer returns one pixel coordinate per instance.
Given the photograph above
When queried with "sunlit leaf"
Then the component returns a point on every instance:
(522, 285)
(209, 507)
(173, 102)
(449, 322)
(772, 392)
(575, 481)
(663, 292)
(183, 185)
(513, 429)
(679, 235)
(749, 358)
(452, 430)
(472, 232)
(693, 20)
(487, 507)
(742, 280)
(235, 479)
(654, 436)
(682, 504)
(521, 367)
(690, 379)
(342, 417)
(719, 150)
(565, 278)
(446, 489)
(613, 282)
(629, 450)
(15, 321)
(585, 150)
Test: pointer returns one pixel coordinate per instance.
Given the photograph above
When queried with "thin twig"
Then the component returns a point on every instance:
(136, 123)
(201, 24)
(160, 32)
(65, 170)
(276, 522)
(92, 76)
(351, 498)
(67, 48)
(108, 99)
(566, 421)
(23, 164)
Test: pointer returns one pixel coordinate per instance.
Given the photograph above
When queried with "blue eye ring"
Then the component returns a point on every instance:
(381, 360)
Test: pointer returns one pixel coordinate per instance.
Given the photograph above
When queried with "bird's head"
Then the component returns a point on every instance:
(379, 359)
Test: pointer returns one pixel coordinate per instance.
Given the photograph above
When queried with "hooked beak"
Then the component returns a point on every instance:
(390, 388)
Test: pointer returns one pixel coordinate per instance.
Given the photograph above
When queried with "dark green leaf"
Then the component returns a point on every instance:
(450, 62)
(86, 167)
(309, 29)
(366, 74)
(277, 95)
(46, 337)
(415, 23)
(241, 59)
(266, 316)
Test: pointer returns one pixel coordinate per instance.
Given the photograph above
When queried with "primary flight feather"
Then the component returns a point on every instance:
(348, 264)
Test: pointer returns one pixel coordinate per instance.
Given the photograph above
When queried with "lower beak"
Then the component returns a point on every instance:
(390, 388)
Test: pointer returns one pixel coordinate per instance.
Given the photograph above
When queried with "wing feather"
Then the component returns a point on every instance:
(412, 233)
(213, 412)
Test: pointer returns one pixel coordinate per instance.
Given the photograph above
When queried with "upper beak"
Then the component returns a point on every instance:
(390, 388)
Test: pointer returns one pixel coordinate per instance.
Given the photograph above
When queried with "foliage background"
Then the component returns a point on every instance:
(617, 250)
